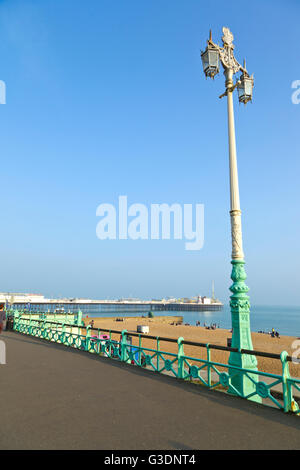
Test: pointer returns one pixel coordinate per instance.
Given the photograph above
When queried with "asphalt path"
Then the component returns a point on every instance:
(54, 397)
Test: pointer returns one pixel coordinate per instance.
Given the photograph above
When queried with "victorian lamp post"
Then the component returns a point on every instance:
(241, 383)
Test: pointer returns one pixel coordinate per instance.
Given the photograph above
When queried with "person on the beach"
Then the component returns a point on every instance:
(273, 334)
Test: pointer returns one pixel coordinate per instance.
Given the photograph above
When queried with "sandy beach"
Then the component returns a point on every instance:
(162, 327)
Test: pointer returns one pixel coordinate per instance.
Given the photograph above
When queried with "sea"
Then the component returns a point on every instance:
(285, 320)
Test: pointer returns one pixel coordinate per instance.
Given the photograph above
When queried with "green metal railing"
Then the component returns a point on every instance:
(66, 317)
(206, 372)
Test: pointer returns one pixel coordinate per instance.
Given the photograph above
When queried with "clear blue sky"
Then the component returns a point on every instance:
(108, 97)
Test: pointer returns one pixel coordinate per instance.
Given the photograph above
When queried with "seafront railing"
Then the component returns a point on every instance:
(65, 317)
(269, 389)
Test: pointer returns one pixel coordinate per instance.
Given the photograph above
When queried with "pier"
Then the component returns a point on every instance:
(187, 307)
(110, 307)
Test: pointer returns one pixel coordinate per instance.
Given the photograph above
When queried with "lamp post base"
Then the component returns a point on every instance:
(241, 383)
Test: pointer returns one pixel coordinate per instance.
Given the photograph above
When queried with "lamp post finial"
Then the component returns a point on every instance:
(228, 36)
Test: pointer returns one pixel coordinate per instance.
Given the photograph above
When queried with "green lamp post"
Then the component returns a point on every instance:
(240, 382)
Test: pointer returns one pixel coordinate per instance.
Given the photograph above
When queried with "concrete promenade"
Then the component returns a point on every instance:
(53, 397)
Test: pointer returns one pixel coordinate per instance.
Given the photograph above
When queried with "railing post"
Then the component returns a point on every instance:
(157, 349)
(140, 352)
(79, 318)
(208, 365)
(123, 345)
(87, 337)
(63, 333)
(16, 320)
(109, 348)
(180, 358)
(44, 332)
(286, 388)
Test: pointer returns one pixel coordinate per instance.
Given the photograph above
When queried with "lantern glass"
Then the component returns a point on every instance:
(210, 61)
(245, 89)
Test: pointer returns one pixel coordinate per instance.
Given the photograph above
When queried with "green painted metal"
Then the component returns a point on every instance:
(293, 383)
(180, 356)
(140, 350)
(208, 365)
(206, 372)
(88, 336)
(67, 318)
(287, 385)
(241, 384)
(63, 334)
(124, 356)
(285, 376)
(79, 322)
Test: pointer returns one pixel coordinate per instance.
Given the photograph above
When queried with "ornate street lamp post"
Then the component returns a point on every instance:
(242, 383)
